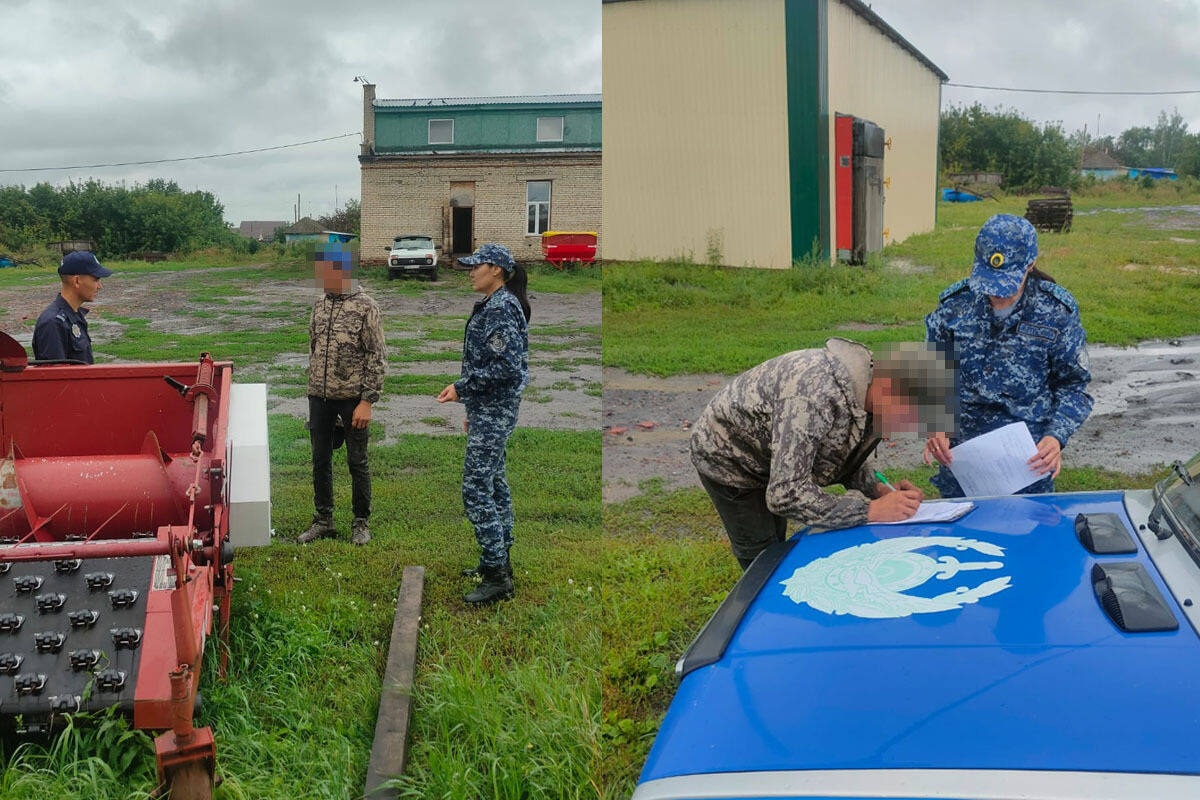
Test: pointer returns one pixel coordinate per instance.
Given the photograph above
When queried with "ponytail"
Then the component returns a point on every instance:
(516, 284)
(1041, 276)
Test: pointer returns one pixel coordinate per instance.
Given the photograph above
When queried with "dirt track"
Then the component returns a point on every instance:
(560, 399)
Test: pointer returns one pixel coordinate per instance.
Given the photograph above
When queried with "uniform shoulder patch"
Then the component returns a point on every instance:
(953, 289)
(1060, 294)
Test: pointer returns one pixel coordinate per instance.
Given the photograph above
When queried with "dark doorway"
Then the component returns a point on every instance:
(461, 224)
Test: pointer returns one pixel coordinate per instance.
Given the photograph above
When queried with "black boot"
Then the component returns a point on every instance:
(477, 570)
(496, 585)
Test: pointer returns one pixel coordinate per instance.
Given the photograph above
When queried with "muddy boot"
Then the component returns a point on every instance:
(360, 530)
(496, 585)
(320, 528)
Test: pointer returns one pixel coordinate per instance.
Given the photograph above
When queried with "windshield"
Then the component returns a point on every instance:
(1178, 496)
(412, 243)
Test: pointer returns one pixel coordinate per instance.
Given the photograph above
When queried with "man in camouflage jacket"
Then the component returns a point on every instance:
(774, 436)
(345, 378)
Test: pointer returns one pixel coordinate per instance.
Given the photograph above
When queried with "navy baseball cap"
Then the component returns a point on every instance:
(81, 262)
(491, 254)
(1004, 249)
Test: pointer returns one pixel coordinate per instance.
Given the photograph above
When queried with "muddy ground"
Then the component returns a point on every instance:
(1146, 414)
(565, 392)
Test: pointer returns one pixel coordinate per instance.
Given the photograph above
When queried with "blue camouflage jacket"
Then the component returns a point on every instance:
(495, 361)
(1031, 367)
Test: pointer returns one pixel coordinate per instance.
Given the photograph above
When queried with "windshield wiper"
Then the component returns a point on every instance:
(1180, 469)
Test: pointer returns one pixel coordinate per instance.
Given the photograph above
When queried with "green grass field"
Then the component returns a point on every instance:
(507, 700)
(1133, 282)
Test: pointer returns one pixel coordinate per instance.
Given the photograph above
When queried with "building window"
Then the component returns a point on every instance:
(441, 131)
(549, 129)
(537, 207)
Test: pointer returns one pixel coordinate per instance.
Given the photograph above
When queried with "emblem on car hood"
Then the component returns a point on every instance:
(869, 580)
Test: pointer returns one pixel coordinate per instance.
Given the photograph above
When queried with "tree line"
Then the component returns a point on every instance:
(155, 216)
(976, 139)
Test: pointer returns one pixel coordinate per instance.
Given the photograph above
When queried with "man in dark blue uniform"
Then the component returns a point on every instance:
(1021, 350)
(61, 333)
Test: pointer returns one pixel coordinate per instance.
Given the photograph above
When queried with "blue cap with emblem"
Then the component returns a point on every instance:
(81, 262)
(1004, 249)
(491, 253)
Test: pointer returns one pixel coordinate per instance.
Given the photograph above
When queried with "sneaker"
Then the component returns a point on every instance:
(320, 528)
(360, 530)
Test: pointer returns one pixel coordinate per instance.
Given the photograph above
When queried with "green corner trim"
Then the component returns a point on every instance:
(805, 25)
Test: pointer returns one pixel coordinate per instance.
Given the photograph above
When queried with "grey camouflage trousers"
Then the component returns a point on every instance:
(486, 497)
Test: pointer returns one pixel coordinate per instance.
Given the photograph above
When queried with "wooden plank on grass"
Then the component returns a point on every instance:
(390, 750)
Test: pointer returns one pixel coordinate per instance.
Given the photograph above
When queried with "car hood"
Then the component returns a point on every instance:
(974, 645)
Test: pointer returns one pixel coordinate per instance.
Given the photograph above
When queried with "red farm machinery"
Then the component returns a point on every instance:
(560, 247)
(120, 488)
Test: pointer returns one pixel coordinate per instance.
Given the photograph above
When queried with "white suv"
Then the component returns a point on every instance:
(415, 253)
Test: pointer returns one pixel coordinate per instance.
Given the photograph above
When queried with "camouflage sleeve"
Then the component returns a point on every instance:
(373, 354)
(791, 491)
(502, 343)
(864, 480)
(935, 326)
(1068, 380)
(312, 330)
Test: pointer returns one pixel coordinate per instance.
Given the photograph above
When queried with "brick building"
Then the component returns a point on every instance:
(468, 170)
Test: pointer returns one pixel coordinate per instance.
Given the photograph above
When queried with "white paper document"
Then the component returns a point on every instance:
(935, 512)
(995, 463)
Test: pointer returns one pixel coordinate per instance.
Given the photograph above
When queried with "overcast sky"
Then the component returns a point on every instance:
(99, 82)
(1097, 45)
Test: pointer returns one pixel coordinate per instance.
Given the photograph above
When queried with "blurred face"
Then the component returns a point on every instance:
(331, 277)
(895, 413)
(486, 278)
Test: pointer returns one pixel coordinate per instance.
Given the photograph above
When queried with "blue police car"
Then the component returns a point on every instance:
(1039, 647)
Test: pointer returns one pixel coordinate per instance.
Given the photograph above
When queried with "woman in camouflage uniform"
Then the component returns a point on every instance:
(1021, 351)
(495, 370)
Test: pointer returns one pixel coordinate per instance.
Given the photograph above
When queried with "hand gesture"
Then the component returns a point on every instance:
(937, 448)
(895, 506)
(1048, 458)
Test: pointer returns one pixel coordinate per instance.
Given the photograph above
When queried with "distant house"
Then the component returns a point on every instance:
(309, 230)
(262, 230)
(1100, 165)
(468, 170)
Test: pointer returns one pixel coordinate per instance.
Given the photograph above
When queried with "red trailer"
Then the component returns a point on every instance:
(562, 246)
(114, 545)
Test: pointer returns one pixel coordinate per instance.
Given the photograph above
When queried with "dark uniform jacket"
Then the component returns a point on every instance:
(1030, 367)
(61, 333)
(495, 361)
(790, 425)
(346, 348)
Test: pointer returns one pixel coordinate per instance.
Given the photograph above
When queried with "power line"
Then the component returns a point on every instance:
(183, 158)
(1068, 91)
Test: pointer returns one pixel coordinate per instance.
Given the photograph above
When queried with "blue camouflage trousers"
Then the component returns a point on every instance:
(486, 497)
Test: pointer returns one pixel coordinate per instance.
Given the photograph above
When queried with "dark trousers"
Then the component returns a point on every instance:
(750, 525)
(322, 416)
